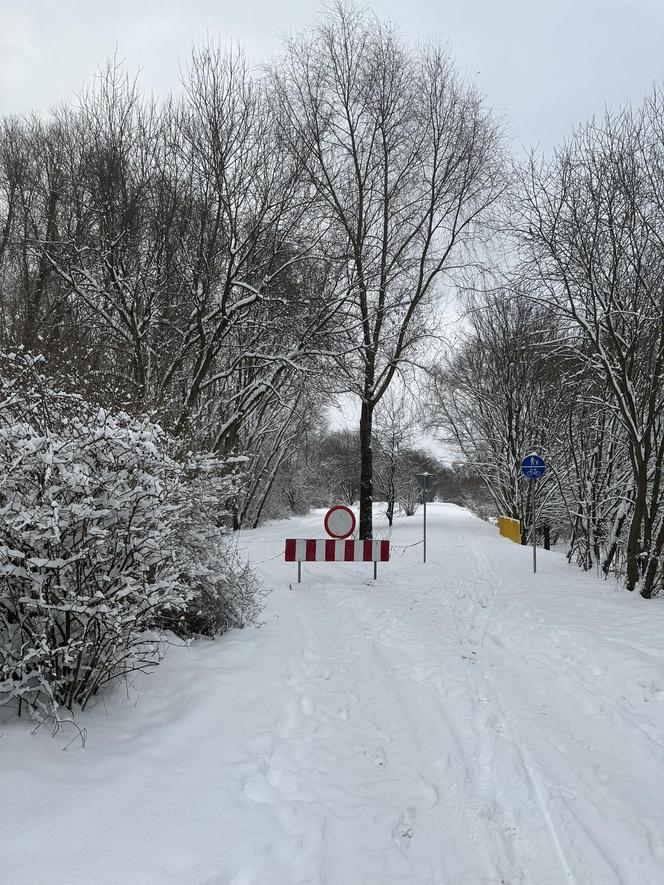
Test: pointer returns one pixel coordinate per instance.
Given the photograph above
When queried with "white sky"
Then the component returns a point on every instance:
(545, 65)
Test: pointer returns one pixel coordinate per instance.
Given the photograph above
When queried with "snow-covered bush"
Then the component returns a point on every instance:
(103, 538)
(222, 590)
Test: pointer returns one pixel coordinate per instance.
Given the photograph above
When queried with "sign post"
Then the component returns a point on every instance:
(339, 522)
(339, 546)
(534, 495)
(533, 468)
(424, 532)
(425, 482)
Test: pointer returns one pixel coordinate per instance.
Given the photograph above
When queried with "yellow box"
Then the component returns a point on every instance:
(510, 528)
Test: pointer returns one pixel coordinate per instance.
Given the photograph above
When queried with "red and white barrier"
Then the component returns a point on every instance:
(327, 550)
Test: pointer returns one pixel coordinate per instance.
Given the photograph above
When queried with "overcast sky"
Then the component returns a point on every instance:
(545, 65)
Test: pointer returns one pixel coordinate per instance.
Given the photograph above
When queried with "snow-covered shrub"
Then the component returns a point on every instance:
(103, 537)
(224, 593)
(222, 590)
(409, 498)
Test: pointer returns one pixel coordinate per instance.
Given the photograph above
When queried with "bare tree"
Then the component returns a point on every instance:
(394, 433)
(404, 161)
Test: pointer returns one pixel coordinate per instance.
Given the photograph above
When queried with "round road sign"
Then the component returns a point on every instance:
(339, 522)
(533, 466)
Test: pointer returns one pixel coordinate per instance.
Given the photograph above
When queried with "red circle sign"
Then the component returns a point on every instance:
(339, 522)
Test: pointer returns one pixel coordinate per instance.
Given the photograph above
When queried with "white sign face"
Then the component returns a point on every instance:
(340, 522)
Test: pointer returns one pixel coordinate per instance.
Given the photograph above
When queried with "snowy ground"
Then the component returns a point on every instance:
(459, 723)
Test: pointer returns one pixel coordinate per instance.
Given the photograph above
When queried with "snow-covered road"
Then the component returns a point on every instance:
(461, 722)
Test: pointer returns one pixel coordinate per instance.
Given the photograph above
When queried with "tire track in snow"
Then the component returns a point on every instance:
(546, 790)
(421, 797)
(378, 640)
(500, 864)
(418, 790)
(365, 737)
(485, 750)
(484, 726)
(489, 694)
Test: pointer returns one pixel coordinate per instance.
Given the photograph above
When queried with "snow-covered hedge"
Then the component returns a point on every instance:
(104, 540)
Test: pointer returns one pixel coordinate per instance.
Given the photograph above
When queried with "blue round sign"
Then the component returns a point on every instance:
(533, 466)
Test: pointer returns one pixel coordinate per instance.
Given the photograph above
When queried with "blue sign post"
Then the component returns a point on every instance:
(533, 468)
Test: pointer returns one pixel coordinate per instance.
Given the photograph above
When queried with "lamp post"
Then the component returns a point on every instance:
(425, 482)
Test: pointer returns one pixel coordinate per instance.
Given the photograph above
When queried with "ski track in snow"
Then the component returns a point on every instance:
(498, 724)
(461, 722)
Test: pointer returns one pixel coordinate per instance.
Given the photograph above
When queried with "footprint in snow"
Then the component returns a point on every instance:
(257, 790)
(285, 782)
(380, 758)
(383, 735)
(430, 794)
(261, 745)
(404, 831)
(652, 688)
(490, 810)
(307, 706)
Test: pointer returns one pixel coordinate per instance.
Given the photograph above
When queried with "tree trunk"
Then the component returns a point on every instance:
(633, 539)
(366, 472)
(36, 291)
(649, 588)
(235, 515)
(613, 549)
